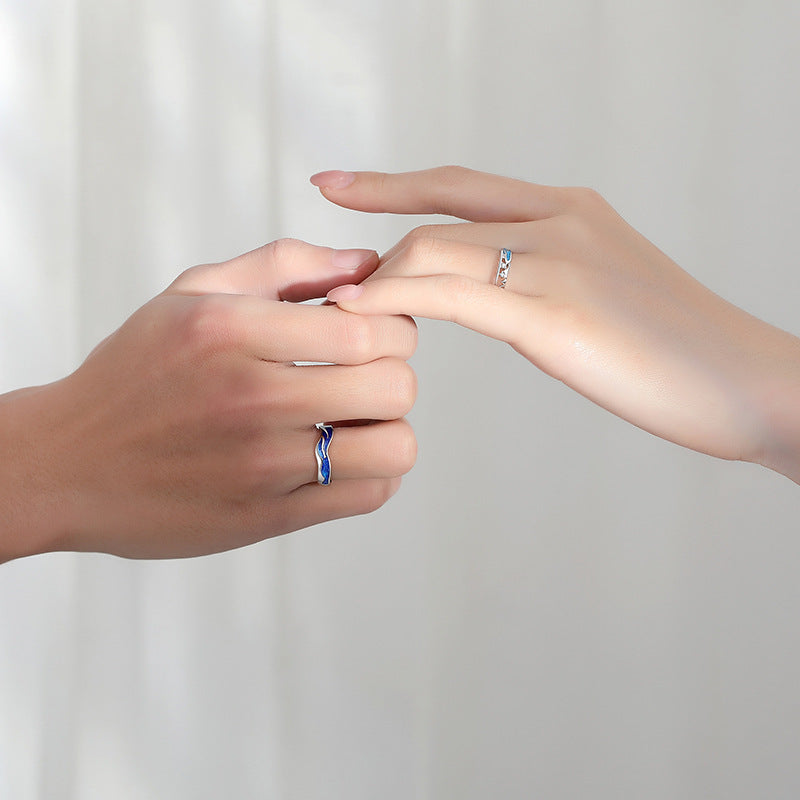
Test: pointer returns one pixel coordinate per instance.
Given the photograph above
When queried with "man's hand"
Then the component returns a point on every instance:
(190, 431)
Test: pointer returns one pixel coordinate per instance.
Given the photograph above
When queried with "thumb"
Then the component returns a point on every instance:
(286, 269)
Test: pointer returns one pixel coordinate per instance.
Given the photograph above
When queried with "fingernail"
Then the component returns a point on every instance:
(333, 179)
(347, 292)
(350, 259)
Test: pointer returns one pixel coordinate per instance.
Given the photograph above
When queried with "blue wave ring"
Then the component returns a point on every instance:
(321, 452)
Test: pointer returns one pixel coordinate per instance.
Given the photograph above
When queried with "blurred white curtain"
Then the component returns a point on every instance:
(564, 608)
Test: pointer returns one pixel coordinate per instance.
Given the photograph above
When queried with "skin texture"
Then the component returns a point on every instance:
(590, 301)
(190, 431)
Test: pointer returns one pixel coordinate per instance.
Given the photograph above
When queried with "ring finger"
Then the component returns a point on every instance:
(528, 274)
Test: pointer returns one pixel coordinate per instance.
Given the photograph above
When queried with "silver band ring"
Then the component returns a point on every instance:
(321, 452)
(502, 268)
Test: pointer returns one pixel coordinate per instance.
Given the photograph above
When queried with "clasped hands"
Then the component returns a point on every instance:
(190, 430)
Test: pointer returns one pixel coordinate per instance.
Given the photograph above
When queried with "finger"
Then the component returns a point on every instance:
(481, 306)
(513, 235)
(312, 504)
(378, 450)
(457, 191)
(290, 332)
(528, 274)
(380, 390)
(287, 269)
(537, 236)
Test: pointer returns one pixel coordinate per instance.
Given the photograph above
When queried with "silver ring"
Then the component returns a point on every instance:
(502, 268)
(321, 452)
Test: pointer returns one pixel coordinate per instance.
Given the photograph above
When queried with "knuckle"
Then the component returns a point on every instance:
(359, 337)
(282, 248)
(405, 448)
(586, 198)
(208, 323)
(192, 278)
(402, 386)
(425, 248)
(183, 279)
(452, 174)
(425, 232)
(283, 252)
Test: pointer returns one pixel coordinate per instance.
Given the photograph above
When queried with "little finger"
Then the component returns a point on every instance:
(312, 504)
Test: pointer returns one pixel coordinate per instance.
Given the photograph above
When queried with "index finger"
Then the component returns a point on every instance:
(456, 191)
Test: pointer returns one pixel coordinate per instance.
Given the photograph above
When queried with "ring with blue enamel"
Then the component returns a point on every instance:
(321, 452)
(502, 268)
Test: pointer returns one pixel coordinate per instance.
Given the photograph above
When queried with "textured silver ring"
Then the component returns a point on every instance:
(321, 452)
(502, 268)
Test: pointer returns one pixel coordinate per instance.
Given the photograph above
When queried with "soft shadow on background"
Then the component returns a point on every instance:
(566, 607)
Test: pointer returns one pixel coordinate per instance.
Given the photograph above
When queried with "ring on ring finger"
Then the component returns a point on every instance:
(385, 449)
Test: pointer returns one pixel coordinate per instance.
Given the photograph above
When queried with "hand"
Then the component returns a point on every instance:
(190, 430)
(590, 301)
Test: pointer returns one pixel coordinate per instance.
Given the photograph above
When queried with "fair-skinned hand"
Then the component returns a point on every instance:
(190, 431)
(590, 301)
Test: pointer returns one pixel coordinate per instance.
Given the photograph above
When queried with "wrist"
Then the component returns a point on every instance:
(778, 402)
(33, 501)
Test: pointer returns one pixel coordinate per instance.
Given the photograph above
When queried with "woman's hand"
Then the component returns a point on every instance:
(190, 430)
(589, 301)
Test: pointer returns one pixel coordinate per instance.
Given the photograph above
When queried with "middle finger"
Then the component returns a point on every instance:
(523, 237)
(379, 390)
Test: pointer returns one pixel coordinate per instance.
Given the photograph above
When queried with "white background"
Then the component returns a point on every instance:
(557, 604)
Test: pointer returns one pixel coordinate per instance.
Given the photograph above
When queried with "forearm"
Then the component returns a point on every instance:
(32, 509)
